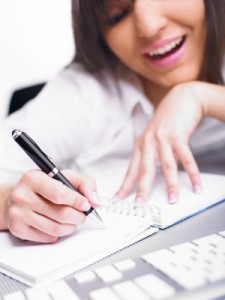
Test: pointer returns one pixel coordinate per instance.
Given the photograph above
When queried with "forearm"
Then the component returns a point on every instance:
(212, 97)
(4, 192)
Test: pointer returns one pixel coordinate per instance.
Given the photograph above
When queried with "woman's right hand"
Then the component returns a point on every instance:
(42, 209)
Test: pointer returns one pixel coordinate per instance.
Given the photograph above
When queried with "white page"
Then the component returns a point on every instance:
(34, 263)
(213, 191)
(165, 214)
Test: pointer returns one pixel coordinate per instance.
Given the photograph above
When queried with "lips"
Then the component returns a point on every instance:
(165, 50)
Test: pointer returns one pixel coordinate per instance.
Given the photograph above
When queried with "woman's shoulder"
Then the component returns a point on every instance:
(76, 74)
(75, 79)
(104, 79)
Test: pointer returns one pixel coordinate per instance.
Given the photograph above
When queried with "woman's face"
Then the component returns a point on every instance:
(161, 40)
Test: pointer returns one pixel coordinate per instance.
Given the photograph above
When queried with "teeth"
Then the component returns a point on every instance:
(166, 48)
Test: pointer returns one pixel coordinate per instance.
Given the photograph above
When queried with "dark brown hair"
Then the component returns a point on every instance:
(94, 54)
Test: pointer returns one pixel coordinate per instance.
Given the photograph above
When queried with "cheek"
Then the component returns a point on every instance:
(198, 14)
(116, 46)
(121, 41)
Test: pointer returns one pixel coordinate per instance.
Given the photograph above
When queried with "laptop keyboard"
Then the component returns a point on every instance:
(192, 270)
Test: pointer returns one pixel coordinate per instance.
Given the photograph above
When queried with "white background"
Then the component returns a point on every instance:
(35, 43)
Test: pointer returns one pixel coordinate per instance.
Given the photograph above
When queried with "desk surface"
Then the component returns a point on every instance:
(207, 222)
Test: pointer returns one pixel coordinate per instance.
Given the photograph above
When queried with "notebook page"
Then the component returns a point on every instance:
(34, 263)
(165, 214)
(189, 203)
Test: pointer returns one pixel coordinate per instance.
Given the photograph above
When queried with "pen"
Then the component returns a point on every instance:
(47, 166)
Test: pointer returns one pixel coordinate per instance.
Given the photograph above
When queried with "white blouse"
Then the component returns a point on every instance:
(89, 123)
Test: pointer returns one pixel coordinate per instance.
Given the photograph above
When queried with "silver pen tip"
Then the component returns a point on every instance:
(94, 216)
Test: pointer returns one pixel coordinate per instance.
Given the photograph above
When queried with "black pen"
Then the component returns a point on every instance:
(47, 166)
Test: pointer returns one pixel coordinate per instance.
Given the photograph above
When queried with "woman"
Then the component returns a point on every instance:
(145, 86)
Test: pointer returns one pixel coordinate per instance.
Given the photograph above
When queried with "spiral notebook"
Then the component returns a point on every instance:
(125, 222)
(163, 214)
(37, 264)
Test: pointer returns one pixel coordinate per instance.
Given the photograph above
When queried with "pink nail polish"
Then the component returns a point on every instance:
(95, 198)
(197, 189)
(119, 195)
(138, 200)
(114, 199)
(85, 206)
(172, 199)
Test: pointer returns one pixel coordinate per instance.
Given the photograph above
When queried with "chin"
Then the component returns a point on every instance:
(181, 76)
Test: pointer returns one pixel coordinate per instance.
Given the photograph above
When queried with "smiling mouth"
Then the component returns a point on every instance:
(166, 50)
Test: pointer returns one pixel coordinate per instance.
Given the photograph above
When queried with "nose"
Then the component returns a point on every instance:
(149, 17)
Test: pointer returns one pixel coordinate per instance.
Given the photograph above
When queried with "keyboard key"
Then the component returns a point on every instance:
(125, 265)
(127, 290)
(155, 287)
(108, 273)
(103, 294)
(184, 248)
(15, 296)
(186, 279)
(176, 267)
(213, 239)
(216, 274)
(222, 233)
(160, 255)
(85, 277)
(60, 290)
(37, 294)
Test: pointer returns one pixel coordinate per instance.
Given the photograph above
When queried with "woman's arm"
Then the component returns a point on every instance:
(4, 193)
(212, 97)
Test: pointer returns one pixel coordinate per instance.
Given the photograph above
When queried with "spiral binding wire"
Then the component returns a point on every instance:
(129, 208)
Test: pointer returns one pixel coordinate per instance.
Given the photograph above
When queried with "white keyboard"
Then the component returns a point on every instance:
(193, 270)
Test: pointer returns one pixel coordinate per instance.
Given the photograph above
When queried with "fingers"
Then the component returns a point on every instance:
(142, 168)
(85, 185)
(60, 213)
(34, 235)
(188, 162)
(54, 191)
(42, 209)
(131, 175)
(50, 227)
(169, 166)
(146, 175)
(43, 230)
(50, 220)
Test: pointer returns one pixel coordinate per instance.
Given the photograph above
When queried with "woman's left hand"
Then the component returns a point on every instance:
(165, 139)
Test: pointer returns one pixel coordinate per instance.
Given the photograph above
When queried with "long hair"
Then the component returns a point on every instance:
(94, 54)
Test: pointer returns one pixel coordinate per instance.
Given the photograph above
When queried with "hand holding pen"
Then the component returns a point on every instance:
(42, 209)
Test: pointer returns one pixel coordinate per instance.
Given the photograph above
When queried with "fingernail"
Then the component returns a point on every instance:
(172, 198)
(120, 195)
(114, 199)
(197, 189)
(95, 198)
(85, 206)
(138, 200)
